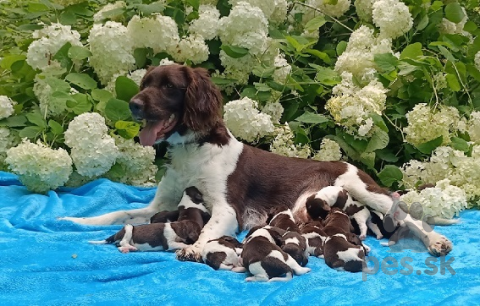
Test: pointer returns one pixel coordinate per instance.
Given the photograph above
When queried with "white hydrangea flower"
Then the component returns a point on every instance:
(329, 151)
(246, 27)
(275, 110)
(101, 15)
(364, 9)
(448, 27)
(157, 32)
(443, 200)
(245, 121)
(413, 173)
(111, 49)
(8, 139)
(267, 6)
(425, 123)
(166, 61)
(392, 17)
(279, 13)
(282, 70)
(137, 75)
(48, 41)
(137, 162)
(351, 106)
(207, 24)
(334, 10)
(6, 107)
(473, 127)
(39, 167)
(477, 60)
(85, 128)
(192, 48)
(283, 143)
(237, 68)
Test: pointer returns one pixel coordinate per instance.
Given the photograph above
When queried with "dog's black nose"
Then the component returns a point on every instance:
(136, 107)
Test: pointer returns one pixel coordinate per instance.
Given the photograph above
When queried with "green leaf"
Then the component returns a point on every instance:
(55, 127)
(454, 12)
(125, 88)
(116, 110)
(82, 105)
(78, 53)
(452, 82)
(82, 80)
(58, 85)
(140, 55)
(387, 156)
(67, 18)
(263, 72)
(152, 8)
(62, 56)
(423, 23)
(386, 62)
(8, 60)
(341, 46)
(446, 53)
(30, 132)
(460, 144)
(321, 55)
(234, 51)
(315, 23)
(37, 119)
(412, 51)
(326, 76)
(378, 121)
(368, 159)
(101, 95)
(351, 152)
(313, 118)
(428, 147)
(127, 129)
(223, 81)
(389, 175)
(378, 141)
(14, 121)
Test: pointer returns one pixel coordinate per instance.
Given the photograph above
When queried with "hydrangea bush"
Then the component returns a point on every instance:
(390, 85)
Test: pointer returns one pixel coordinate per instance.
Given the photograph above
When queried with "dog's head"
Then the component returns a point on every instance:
(176, 98)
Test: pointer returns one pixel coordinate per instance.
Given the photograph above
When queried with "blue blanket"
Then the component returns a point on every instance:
(49, 262)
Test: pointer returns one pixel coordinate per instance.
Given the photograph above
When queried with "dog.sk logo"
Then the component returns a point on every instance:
(391, 266)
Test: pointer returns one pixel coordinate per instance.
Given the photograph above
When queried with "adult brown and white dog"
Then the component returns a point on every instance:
(240, 183)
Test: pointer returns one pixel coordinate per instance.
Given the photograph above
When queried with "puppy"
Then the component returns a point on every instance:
(319, 205)
(165, 216)
(223, 253)
(263, 258)
(164, 236)
(342, 248)
(315, 237)
(282, 217)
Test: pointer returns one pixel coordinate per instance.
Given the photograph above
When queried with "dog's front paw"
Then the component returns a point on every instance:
(190, 253)
(439, 245)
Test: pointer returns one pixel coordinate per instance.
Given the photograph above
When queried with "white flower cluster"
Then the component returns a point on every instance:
(351, 106)
(274, 10)
(282, 69)
(359, 53)
(137, 162)
(207, 23)
(275, 110)
(329, 151)
(364, 9)
(93, 151)
(6, 107)
(111, 49)
(245, 121)
(443, 200)
(392, 17)
(425, 123)
(7, 140)
(280, 12)
(473, 127)
(39, 167)
(157, 32)
(477, 60)
(448, 27)
(192, 48)
(334, 10)
(102, 14)
(137, 75)
(462, 171)
(283, 143)
(48, 41)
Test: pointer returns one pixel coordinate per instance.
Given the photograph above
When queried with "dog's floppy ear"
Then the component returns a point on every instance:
(203, 101)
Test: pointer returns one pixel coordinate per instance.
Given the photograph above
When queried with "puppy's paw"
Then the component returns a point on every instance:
(127, 248)
(439, 245)
(190, 253)
(362, 237)
(379, 237)
(301, 271)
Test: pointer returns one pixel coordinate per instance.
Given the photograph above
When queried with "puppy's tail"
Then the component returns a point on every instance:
(442, 221)
(109, 240)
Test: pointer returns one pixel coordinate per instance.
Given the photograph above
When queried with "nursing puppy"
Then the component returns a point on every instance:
(335, 196)
(165, 236)
(293, 243)
(315, 237)
(263, 258)
(223, 254)
(165, 216)
(342, 249)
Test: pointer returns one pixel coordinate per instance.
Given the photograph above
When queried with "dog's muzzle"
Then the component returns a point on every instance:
(137, 109)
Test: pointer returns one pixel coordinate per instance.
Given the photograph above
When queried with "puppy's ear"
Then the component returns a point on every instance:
(203, 101)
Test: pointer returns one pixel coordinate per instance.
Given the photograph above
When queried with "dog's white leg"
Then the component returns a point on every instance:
(222, 222)
(288, 276)
(374, 228)
(437, 245)
(299, 270)
(125, 243)
(173, 246)
(362, 217)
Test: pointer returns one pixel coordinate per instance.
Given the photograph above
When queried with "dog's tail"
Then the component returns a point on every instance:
(109, 240)
(442, 221)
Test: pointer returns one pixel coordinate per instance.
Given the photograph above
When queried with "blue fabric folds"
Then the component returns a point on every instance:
(45, 261)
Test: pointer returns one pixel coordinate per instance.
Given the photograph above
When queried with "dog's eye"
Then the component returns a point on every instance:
(168, 85)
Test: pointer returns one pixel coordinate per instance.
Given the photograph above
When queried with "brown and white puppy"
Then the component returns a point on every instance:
(315, 236)
(165, 217)
(293, 243)
(342, 249)
(265, 260)
(164, 236)
(223, 254)
(241, 183)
